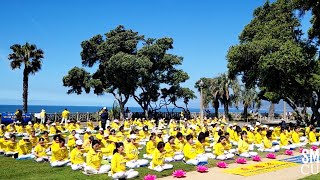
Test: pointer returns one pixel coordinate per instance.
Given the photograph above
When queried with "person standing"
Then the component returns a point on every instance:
(104, 118)
(43, 116)
(65, 116)
(18, 115)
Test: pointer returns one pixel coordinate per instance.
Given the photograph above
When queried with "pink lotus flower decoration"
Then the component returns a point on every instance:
(314, 148)
(271, 156)
(241, 161)
(301, 149)
(202, 169)
(150, 177)
(288, 152)
(256, 158)
(179, 173)
(222, 164)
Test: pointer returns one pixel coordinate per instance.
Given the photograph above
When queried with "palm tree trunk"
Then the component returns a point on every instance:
(216, 108)
(25, 90)
(226, 110)
(245, 111)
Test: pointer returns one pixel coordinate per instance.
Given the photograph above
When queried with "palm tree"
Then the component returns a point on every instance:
(29, 56)
(249, 98)
(221, 88)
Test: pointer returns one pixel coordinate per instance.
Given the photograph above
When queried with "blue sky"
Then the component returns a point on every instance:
(202, 32)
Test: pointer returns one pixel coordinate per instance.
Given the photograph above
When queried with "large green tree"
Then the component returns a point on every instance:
(273, 55)
(248, 97)
(118, 66)
(30, 58)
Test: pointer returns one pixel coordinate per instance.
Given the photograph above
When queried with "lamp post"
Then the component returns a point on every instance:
(284, 111)
(201, 101)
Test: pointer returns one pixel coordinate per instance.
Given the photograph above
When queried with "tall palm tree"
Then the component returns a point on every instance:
(249, 98)
(30, 57)
(225, 89)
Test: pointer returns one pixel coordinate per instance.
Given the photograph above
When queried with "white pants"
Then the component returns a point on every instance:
(248, 154)
(234, 143)
(127, 175)
(161, 168)
(225, 156)
(288, 147)
(175, 158)
(251, 147)
(300, 144)
(76, 167)
(146, 156)
(64, 120)
(41, 159)
(209, 155)
(315, 143)
(202, 158)
(59, 163)
(43, 119)
(11, 153)
(272, 149)
(103, 169)
(137, 163)
(303, 138)
(194, 162)
(27, 156)
(258, 145)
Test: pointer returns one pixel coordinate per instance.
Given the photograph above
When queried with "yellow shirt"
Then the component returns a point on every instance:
(94, 159)
(40, 150)
(118, 163)
(228, 145)
(283, 140)
(150, 147)
(52, 130)
(189, 152)
(250, 137)
(295, 138)
(169, 150)
(312, 137)
(34, 140)
(218, 149)
(132, 152)
(59, 154)
(3, 144)
(267, 143)
(258, 138)
(243, 146)
(11, 146)
(157, 158)
(76, 156)
(178, 145)
(24, 147)
(199, 147)
(65, 114)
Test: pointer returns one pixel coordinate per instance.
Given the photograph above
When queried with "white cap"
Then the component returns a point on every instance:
(43, 110)
(101, 129)
(79, 142)
(7, 135)
(78, 122)
(258, 124)
(133, 136)
(116, 120)
(159, 132)
(77, 136)
(218, 128)
(29, 122)
(88, 130)
(25, 137)
(270, 128)
(53, 124)
(68, 121)
(265, 126)
(104, 108)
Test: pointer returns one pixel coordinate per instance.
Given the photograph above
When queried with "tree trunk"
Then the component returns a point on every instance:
(25, 90)
(271, 111)
(121, 104)
(216, 108)
(226, 110)
(245, 111)
(145, 110)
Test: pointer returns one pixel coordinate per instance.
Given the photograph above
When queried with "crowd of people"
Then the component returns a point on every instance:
(114, 147)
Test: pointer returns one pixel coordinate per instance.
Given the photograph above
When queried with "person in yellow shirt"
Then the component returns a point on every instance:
(312, 137)
(94, 159)
(228, 145)
(132, 154)
(190, 152)
(144, 135)
(120, 134)
(53, 129)
(65, 116)
(118, 164)
(43, 116)
(200, 148)
(11, 147)
(157, 162)
(170, 154)
(243, 146)
(258, 139)
(267, 143)
(151, 146)
(76, 157)
(179, 143)
(25, 148)
(40, 151)
(33, 139)
(296, 137)
(60, 155)
(220, 150)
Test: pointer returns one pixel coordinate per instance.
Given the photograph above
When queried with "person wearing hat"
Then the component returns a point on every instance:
(100, 135)
(11, 146)
(132, 154)
(25, 149)
(53, 129)
(40, 151)
(76, 157)
(104, 118)
(60, 155)
(65, 116)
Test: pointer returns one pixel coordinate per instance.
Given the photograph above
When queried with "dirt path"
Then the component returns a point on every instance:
(290, 173)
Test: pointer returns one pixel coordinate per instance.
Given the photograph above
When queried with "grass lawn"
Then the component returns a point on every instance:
(28, 169)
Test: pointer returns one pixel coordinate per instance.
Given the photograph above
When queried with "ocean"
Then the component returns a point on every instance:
(59, 109)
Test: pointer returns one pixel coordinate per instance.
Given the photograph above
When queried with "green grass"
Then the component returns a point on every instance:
(28, 169)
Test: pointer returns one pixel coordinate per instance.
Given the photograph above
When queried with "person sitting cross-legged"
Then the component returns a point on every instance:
(157, 162)
(60, 155)
(76, 157)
